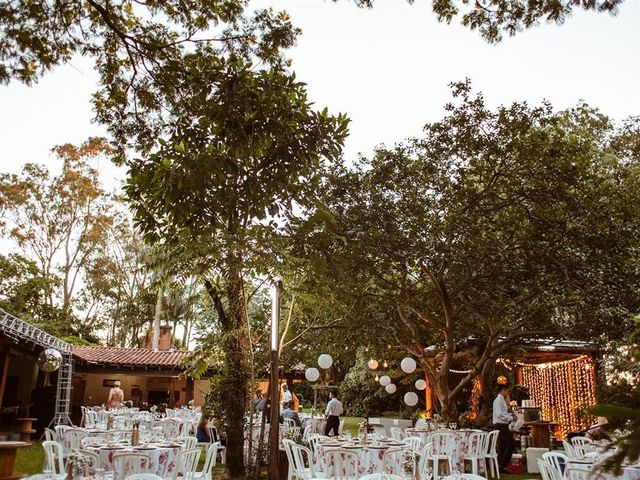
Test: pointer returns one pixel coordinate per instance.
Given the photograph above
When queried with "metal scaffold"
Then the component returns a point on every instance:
(21, 331)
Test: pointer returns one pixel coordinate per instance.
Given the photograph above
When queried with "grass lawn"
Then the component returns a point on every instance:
(30, 460)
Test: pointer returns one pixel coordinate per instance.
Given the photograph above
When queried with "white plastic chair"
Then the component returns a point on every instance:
(413, 447)
(128, 463)
(189, 442)
(581, 441)
(298, 468)
(443, 447)
(60, 429)
(54, 458)
(557, 460)
(491, 452)
(476, 450)
(50, 435)
(315, 439)
(341, 426)
(396, 433)
(547, 471)
(381, 476)
(93, 461)
(568, 449)
(187, 464)
(464, 476)
(392, 461)
(575, 473)
(424, 471)
(209, 463)
(345, 463)
(144, 476)
(289, 422)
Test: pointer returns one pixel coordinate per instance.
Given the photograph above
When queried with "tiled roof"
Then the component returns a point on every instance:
(130, 357)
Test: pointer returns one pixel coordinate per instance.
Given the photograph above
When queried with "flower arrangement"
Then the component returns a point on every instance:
(77, 464)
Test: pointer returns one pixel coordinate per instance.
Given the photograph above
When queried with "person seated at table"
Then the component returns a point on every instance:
(202, 430)
(289, 412)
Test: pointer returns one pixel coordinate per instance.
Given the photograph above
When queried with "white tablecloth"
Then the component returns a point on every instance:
(369, 459)
(162, 459)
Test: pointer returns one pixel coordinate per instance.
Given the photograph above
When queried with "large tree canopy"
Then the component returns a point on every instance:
(496, 227)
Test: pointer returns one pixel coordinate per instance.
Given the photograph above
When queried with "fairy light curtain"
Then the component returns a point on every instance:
(563, 390)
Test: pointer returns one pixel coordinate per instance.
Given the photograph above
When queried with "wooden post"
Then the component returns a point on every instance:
(4, 370)
(274, 423)
(190, 389)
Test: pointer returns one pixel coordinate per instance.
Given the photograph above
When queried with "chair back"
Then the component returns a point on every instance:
(491, 442)
(396, 433)
(289, 422)
(73, 438)
(568, 449)
(476, 444)
(548, 472)
(314, 439)
(50, 435)
(93, 461)
(59, 429)
(293, 433)
(413, 444)
(128, 463)
(187, 464)
(210, 459)
(189, 442)
(583, 450)
(421, 423)
(53, 457)
(306, 433)
(144, 476)
(213, 434)
(426, 454)
(90, 418)
(345, 463)
(341, 426)
(580, 441)
(556, 459)
(443, 444)
(302, 461)
(392, 461)
(575, 473)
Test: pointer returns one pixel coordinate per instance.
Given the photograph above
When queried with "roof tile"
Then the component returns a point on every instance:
(137, 357)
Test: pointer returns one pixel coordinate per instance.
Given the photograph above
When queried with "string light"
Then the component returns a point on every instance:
(563, 390)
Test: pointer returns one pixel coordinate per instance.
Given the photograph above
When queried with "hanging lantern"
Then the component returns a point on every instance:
(420, 384)
(325, 361)
(385, 380)
(385, 364)
(312, 374)
(377, 379)
(411, 398)
(373, 364)
(408, 365)
(502, 380)
(391, 388)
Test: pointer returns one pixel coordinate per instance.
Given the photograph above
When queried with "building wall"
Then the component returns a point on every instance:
(25, 373)
(96, 394)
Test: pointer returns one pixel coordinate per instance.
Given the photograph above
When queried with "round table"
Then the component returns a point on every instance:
(369, 458)
(162, 458)
(8, 452)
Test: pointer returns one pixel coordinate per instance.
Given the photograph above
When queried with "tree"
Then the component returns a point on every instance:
(59, 221)
(495, 228)
(492, 18)
(244, 149)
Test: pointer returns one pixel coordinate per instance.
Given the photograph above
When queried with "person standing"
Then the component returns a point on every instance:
(116, 396)
(332, 413)
(501, 419)
(285, 396)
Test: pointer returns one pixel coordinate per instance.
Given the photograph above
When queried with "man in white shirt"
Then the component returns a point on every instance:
(285, 396)
(333, 412)
(501, 419)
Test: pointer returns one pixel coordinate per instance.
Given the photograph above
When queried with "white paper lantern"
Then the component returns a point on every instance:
(325, 360)
(385, 380)
(373, 364)
(411, 398)
(391, 388)
(420, 384)
(312, 374)
(408, 365)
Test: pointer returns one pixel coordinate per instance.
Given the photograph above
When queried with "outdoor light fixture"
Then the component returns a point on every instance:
(275, 315)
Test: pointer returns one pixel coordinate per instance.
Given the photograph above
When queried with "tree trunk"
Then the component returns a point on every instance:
(487, 391)
(235, 372)
(156, 318)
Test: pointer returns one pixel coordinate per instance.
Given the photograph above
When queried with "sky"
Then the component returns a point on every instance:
(388, 68)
